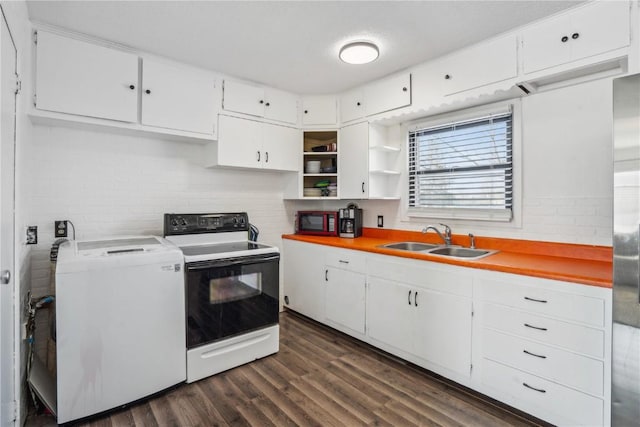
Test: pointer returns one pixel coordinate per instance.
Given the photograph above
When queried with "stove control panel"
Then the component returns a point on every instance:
(177, 224)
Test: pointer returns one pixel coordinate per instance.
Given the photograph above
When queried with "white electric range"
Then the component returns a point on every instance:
(232, 290)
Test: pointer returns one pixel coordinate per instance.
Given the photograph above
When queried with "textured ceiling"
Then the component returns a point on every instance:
(293, 45)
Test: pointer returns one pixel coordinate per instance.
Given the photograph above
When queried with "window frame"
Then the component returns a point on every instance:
(499, 218)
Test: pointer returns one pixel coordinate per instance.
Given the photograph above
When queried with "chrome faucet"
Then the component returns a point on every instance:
(446, 237)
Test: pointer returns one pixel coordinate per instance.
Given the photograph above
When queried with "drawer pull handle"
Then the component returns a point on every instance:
(326, 275)
(535, 327)
(343, 261)
(544, 301)
(533, 354)
(409, 299)
(415, 299)
(533, 388)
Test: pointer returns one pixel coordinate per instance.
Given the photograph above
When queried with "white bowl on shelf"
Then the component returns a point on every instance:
(312, 166)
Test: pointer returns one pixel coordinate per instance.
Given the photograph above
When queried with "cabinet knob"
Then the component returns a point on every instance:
(358, 104)
(306, 111)
(575, 35)
(447, 76)
(132, 87)
(404, 89)
(564, 39)
(267, 104)
(261, 101)
(148, 92)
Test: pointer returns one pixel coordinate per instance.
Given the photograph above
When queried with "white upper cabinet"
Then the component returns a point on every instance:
(388, 94)
(243, 98)
(177, 97)
(479, 65)
(319, 110)
(352, 105)
(590, 30)
(251, 144)
(257, 101)
(280, 106)
(281, 147)
(77, 77)
(354, 162)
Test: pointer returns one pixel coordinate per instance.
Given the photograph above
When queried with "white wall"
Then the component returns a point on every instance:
(109, 185)
(566, 172)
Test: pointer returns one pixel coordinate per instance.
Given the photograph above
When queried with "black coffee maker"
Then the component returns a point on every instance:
(351, 221)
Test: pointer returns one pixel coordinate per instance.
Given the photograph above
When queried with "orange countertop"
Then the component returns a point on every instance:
(584, 264)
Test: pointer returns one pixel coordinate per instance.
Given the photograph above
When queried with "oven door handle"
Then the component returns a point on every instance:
(228, 262)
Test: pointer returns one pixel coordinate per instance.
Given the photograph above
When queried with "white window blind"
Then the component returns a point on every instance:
(464, 165)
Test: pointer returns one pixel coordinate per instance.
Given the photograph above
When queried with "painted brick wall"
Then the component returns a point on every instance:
(110, 185)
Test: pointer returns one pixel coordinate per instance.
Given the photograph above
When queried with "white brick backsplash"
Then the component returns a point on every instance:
(110, 185)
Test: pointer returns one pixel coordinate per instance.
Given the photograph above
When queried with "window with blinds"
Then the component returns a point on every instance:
(463, 165)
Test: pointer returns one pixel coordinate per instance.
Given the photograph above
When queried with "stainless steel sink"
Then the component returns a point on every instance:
(409, 246)
(458, 252)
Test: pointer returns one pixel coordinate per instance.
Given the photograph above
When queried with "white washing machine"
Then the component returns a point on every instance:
(120, 323)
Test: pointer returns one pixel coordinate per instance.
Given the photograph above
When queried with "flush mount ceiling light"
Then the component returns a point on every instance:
(359, 53)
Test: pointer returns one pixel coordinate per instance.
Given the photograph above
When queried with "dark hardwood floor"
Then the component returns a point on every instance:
(319, 377)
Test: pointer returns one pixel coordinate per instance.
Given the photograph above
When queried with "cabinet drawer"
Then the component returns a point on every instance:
(573, 337)
(346, 260)
(554, 364)
(545, 301)
(549, 401)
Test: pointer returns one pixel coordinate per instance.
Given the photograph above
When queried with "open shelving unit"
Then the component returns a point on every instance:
(320, 146)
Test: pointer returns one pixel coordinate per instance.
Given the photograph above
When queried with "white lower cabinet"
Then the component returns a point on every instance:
(345, 298)
(544, 347)
(422, 310)
(542, 398)
(304, 282)
(345, 289)
(539, 345)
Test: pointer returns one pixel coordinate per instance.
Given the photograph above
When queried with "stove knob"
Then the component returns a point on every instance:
(174, 222)
(184, 222)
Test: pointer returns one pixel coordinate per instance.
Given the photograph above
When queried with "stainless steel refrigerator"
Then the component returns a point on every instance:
(626, 260)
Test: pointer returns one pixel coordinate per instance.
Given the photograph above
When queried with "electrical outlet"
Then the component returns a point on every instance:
(380, 221)
(32, 235)
(61, 228)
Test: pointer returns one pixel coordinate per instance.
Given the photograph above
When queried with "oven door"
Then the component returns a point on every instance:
(231, 296)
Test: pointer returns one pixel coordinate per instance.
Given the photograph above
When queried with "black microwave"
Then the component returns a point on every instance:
(317, 223)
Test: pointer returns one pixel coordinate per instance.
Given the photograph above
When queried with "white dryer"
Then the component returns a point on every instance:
(120, 323)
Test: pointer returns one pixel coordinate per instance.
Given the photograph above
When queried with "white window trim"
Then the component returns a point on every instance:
(493, 219)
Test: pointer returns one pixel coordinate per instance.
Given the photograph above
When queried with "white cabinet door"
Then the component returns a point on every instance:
(354, 161)
(304, 285)
(345, 298)
(593, 29)
(239, 142)
(81, 78)
(280, 147)
(601, 27)
(177, 97)
(352, 105)
(280, 106)
(388, 94)
(442, 329)
(543, 44)
(492, 61)
(319, 110)
(390, 313)
(243, 98)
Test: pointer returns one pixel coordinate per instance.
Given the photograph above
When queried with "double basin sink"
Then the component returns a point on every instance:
(445, 251)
